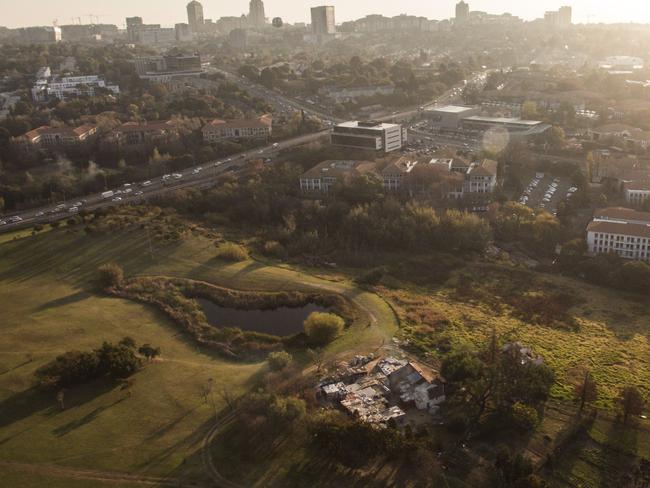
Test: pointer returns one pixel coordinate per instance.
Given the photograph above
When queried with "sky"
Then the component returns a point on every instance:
(168, 12)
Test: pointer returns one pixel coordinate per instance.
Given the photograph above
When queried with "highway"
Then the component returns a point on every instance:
(205, 175)
(199, 176)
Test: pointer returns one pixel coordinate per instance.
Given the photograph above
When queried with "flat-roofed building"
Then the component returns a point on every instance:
(511, 124)
(322, 177)
(622, 231)
(374, 136)
(450, 116)
(637, 192)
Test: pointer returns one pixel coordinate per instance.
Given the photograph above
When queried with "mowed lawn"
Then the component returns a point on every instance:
(49, 307)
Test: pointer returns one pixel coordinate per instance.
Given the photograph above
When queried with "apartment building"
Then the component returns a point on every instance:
(47, 137)
(322, 177)
(134, 134)
(375, 136)
(258, 128)
(623, 231)
(167, 67)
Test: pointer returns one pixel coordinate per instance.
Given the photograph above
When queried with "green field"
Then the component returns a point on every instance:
(48, 307)
(606, 331)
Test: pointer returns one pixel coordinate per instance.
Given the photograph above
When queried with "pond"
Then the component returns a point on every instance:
(283, 321)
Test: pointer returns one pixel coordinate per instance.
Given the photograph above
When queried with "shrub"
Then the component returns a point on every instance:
(279, 360)
(38, 228)
(274, 249)
(523, 416)
(232, 252)
(372, 277)
(323, 328)
(55, 224)
(110, 276)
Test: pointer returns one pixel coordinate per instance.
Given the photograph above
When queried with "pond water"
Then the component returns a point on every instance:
(283, 321)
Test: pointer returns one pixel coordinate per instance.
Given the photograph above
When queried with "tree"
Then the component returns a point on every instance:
(110, 276)
(149, 351)
(279, 360)
(128, 342)
(631, 402)
(586, 391)
(323, 328)
(529, 110)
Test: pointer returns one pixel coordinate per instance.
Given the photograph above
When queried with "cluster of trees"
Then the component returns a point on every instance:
(357, 217)
(322, 328)
(514, 222)
(496, 386)
(410, 87)
(605, 269)
(112, 361)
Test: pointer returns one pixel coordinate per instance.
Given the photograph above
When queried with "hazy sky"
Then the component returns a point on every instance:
(16, 13)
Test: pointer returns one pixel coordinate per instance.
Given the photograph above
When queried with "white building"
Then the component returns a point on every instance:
(637, 192)
(623, 231)
(375, 136)
(450, 116)
(62, 88)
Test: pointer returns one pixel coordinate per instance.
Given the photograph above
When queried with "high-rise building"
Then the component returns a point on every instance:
(462, 11)
(322, 20)
(565, 14)
(559, 18)
(133, 25)
(256, 16)
(195, 16)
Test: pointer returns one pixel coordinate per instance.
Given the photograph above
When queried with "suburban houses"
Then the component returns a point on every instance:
(623, 231)
(135, 134)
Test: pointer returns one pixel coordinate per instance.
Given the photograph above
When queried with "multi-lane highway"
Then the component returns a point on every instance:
(199, 176)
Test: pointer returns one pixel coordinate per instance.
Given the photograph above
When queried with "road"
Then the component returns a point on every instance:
(199, 176)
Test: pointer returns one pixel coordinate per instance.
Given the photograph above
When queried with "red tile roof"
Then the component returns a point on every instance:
(634, 230)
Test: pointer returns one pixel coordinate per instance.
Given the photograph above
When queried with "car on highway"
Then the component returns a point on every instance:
(3, 222)
(117, 199)
(15, 219)
(73, 209)
(196, 171)
(138, 193)
(217, 164)
(39, 214)
(77, 204)
(177, 176)
(147, 183)
(276, 145)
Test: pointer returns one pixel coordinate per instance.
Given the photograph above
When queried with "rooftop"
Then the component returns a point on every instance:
(504, 120)
(354, 124)
(621, 228)
(622, 215)
(339, 168)
(451, 109)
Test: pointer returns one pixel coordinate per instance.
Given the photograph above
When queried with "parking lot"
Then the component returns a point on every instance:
(546, 192)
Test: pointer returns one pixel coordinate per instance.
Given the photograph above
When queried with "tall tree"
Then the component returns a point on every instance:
(586, 391)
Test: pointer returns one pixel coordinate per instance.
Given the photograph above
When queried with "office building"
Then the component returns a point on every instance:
(622, 231)
(195, 16)
(165, 68)
(133, 25)
(256, 15)
(374, 136)
(38, 35)
(462, 12)
(225, 25)
(559, 18)
(322, 21)
(449, 117)
(183, 32)
(70, 86)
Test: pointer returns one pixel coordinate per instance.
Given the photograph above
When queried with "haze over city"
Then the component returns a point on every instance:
(348, 243)
(168, 12)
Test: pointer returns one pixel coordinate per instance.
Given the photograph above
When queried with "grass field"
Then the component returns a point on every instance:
(48, 308)
(609, 332)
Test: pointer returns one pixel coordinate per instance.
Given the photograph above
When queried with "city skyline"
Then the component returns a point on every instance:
(69, 11)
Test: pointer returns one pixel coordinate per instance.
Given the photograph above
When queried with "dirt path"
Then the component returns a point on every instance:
(94, 475)
(206, 454)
